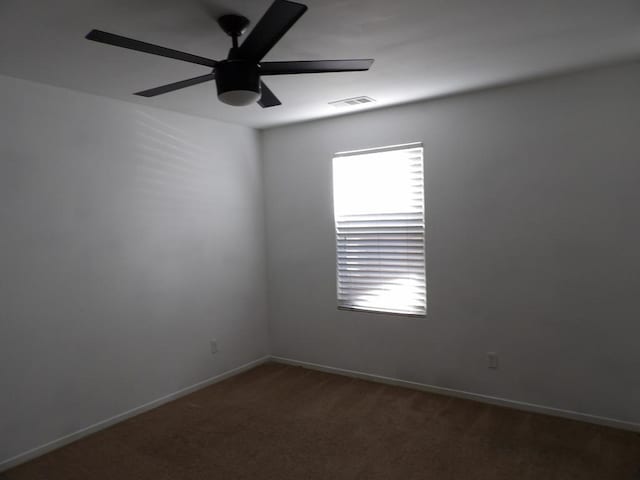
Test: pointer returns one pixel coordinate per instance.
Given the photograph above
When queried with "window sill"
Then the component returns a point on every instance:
(383, 312)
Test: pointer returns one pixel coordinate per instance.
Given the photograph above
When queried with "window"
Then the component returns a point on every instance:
(378, 199)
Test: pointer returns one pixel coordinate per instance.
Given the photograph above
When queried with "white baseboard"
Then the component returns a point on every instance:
(503, 402)
(72, 437)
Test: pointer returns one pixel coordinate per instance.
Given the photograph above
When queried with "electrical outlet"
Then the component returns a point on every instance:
(213, 343)
(493, 360)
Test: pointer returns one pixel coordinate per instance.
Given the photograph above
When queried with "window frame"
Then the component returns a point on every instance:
(387, 148)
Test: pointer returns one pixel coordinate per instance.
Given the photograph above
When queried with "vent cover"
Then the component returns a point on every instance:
(352, 102)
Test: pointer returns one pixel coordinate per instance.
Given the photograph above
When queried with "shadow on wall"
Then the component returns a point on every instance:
(174, 181)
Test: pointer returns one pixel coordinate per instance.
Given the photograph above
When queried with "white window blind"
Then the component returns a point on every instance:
(379, 217)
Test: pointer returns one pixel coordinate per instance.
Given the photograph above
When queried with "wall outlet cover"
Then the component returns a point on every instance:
(493, 359)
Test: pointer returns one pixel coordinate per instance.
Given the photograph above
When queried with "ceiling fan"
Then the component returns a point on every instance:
(238, 77)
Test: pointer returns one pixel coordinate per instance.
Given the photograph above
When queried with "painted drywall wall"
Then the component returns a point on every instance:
(532, 195)
(130, 236)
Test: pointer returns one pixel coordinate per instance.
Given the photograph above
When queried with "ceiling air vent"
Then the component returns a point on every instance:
(352, 102)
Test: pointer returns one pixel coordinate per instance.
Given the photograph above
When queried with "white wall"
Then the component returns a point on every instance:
(532, 197)
(129, 237)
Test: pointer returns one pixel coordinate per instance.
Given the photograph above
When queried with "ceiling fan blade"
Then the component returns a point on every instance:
(130, 43)
(268, 99)
(278, 19)
(152, 92)
(314, 66)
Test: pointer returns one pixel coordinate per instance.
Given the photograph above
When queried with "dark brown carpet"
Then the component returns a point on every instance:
(280, 422)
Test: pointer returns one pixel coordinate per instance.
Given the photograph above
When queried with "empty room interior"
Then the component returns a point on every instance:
(360, 239)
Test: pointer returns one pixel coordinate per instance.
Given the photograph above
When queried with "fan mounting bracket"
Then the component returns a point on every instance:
(233, 25)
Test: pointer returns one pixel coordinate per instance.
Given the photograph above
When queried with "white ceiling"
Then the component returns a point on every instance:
(423, 48)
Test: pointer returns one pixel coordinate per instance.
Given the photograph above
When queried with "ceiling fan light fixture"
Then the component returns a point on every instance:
(239, 98)
(238, 82)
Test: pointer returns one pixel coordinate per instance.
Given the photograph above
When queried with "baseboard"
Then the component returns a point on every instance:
(72, 437)
(503, 402)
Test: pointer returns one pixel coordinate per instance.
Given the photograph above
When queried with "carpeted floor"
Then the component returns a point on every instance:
(280, 422)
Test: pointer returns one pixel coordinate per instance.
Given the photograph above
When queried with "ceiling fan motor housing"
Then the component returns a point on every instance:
(238, 82)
